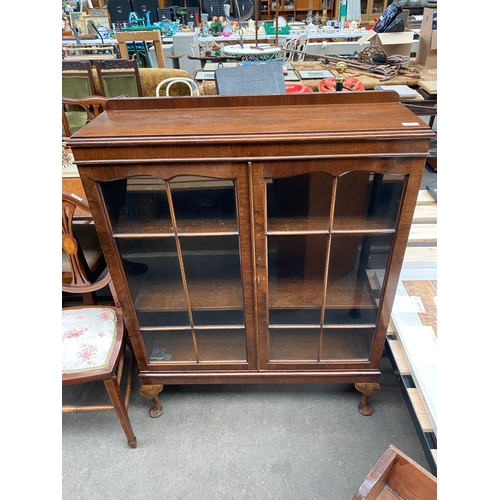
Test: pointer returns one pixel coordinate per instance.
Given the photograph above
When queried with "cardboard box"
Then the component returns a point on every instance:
(392, 43)
(427, 52)
(427, 46)
(427, 22)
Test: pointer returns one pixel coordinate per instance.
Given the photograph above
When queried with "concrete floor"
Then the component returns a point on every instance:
(289, 442)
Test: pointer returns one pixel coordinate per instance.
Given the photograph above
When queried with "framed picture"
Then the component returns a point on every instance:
(77, 22)
(98, 21)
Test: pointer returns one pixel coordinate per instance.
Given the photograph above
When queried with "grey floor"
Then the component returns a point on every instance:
(237, 442)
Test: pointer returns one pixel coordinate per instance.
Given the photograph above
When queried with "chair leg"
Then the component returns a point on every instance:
(115, 394)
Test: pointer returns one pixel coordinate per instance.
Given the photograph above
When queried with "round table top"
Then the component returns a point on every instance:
(251, 49)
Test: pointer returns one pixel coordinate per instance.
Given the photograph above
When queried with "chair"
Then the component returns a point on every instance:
(77, 79)
(153, 36)
(208, 49)
(78, 112)
(93, 337)
(191, 85)
(119, 77)
(85, 263)
(298, 43)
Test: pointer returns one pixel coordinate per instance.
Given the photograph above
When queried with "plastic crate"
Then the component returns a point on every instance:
(271, 29)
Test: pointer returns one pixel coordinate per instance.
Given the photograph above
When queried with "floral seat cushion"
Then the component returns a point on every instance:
(88, 338)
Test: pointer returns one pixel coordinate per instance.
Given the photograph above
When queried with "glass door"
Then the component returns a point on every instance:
(327, 245)
(179, 242)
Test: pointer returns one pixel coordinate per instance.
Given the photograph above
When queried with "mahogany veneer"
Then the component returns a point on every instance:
(273, 229)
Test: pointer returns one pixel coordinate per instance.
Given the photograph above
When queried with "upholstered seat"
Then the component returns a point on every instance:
(88, 338)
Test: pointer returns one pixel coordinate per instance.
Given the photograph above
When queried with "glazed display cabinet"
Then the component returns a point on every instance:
(246, 235)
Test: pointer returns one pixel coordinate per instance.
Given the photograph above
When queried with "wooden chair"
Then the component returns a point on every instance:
(298, 43)
(192, 86)
(154, 37)
(93, 337)
(83, 263)
(118, 77)
(77, 79)
(78, 112)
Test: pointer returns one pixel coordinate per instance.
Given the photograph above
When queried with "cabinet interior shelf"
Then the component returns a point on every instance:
(275, 226)
(156, 294)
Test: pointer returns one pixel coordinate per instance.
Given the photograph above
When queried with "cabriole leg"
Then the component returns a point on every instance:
(367, 390)
(151, 392)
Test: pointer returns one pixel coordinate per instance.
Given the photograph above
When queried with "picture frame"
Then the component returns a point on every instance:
(98, 21)
(77, 22)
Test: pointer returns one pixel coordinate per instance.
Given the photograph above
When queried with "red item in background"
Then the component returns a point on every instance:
(295, 88)
(329, 84)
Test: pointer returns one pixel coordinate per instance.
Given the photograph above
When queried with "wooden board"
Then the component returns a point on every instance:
(429, 86)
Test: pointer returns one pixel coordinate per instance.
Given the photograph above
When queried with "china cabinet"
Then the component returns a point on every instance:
(246, 235)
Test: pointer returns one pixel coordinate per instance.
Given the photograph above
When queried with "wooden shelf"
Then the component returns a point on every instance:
(185, 227)
(157, 294)
(361, 225)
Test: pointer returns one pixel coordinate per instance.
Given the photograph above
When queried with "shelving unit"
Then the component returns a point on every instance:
(243, 247)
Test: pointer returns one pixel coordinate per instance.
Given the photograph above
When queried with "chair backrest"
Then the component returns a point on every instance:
(153, 36)
(79, 280)
(298, 43)
(119, 77)
(191, 85)
(207, 49)
(78, 112)
(77, 79)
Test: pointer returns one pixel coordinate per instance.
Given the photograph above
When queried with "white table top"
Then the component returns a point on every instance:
(251, 49)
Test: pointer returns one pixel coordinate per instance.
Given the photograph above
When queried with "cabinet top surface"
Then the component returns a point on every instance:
(281, 117)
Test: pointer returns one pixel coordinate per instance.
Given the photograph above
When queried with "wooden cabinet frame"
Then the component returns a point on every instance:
(245, 140)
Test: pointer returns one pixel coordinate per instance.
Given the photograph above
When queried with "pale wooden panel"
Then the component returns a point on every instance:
(418, 254)
(419, 408)
(391, 329)
(399, 357)
(425, 198)
(425, 212)
(424, 233)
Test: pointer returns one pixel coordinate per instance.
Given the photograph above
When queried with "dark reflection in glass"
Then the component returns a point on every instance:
(212, 267)
(202, 204)
(296, 275)
(367, 200)
(158, 292)
(294, 344)
(299, 202)
(137, 204)
(354, 278)
(348, 343)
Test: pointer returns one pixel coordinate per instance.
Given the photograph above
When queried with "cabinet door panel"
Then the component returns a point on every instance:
(179, 243)
(327, 244)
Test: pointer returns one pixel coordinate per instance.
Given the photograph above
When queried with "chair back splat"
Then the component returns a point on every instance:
(78, 112)
(77, 79)
(119, 77)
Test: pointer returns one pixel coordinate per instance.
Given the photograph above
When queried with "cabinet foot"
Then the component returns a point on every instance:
(151, 392)
(367, 390)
